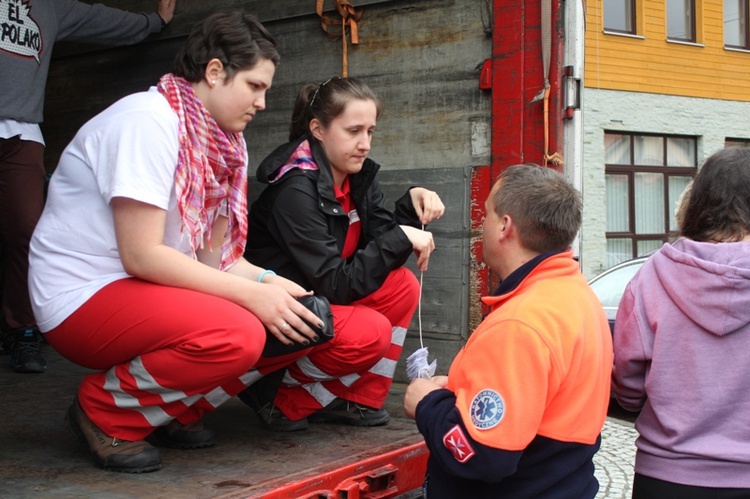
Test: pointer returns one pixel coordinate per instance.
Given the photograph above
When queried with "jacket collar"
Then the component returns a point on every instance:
(554, 261)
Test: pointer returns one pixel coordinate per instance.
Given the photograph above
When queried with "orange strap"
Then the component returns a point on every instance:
(546, 25)
(555, 158)
(349, 19)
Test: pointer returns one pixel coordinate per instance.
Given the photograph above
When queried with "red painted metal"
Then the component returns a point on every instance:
(481, 278)
(387, 472)
(518, 127)
(485, 75)
(518, 75)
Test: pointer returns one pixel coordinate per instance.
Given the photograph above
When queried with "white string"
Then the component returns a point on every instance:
(419, 316)
(419, 306)
(417, 364)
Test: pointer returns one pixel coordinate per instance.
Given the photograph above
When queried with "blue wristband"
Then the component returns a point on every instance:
(263, 274)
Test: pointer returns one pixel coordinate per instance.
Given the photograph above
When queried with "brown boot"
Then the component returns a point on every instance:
(110, 453)
(185, 436)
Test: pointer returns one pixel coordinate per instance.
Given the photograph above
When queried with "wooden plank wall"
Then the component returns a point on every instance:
(422, 57)
(649, 63)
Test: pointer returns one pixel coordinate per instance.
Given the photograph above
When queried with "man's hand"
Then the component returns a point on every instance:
(418, 389)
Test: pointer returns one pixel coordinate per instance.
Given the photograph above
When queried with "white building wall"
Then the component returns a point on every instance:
(710, 120)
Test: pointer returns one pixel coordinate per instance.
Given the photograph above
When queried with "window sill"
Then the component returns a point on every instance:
(736, 49)
(685, 42)
(625, 35)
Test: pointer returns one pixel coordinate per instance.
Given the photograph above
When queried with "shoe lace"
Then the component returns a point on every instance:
(30, 348)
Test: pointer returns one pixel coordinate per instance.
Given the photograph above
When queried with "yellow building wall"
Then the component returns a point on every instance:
(649, 63)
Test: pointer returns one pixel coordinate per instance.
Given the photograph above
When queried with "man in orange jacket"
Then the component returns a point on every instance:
(521, 411)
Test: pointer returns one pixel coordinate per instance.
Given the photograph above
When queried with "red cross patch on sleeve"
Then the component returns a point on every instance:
(456, 442)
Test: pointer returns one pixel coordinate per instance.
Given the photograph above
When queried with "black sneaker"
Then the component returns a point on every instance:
(6, 342)
(270, 416)
(25, 352)
(344, 412)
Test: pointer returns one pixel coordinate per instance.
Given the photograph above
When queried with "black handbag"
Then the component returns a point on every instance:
(316, 304)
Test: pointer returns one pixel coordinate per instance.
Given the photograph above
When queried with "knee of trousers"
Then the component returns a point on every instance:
(369, 338)
(238, 348)
(407, 285)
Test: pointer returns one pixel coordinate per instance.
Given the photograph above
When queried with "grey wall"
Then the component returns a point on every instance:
(421, 57)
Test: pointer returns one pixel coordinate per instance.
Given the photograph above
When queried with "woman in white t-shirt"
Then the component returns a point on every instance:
(136, 264)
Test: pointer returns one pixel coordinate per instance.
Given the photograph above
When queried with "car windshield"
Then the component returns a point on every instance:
(610, 285)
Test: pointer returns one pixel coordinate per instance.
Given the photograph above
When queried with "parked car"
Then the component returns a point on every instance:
(610, 285)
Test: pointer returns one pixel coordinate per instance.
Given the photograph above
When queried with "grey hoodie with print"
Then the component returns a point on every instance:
(29, 30)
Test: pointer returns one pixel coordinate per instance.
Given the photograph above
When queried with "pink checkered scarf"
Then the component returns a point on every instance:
(211, 172)
(301, 158)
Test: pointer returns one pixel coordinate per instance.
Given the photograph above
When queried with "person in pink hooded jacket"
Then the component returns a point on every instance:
(681, 338)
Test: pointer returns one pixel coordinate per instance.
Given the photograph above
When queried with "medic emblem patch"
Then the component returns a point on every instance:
(487, 409)
(456, 442)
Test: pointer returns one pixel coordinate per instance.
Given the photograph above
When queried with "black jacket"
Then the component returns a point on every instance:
(297, 228)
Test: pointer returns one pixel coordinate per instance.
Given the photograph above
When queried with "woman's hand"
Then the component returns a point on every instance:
(281, 313)
(422, 244)
(291, 287)
(427, 204)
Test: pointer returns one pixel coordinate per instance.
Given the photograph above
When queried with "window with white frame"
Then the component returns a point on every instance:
(736, 24)
(681, 20)
(619, 16)
(644, 177)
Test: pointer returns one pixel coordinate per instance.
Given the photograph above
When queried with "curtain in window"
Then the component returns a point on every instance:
(734, 23)
(618, 15)
(616, 149)
(618, 215)
(649, 203)
(676, 186)
(648, 150)
(679, 22)
(618, 250)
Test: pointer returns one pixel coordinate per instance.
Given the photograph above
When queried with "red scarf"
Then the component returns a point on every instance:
(211, 172)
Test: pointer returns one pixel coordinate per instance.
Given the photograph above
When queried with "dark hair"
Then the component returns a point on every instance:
(234, 37)
(327, 100)
(718, 207)
(544, 206)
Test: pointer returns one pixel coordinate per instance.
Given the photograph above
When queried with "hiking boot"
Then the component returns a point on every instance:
(110, 453)
(344, 412)
(185, 436)
(25, 352)
(270, 416)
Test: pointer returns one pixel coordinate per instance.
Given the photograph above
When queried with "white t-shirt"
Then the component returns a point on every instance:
(128, 150)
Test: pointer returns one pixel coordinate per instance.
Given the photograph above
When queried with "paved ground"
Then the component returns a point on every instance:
(615, 459)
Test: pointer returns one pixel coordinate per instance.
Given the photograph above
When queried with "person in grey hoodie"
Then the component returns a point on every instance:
(28, 32)
(681, 342)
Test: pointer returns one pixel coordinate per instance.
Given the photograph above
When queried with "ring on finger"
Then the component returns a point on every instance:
(283, 326)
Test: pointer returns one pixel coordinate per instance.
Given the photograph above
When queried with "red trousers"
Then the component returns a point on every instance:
(358, 364)
(161, 353)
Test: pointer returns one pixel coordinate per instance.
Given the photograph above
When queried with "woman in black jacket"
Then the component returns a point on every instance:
(322, 223)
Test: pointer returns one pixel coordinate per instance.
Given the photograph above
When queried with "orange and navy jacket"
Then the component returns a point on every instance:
(527, 396)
